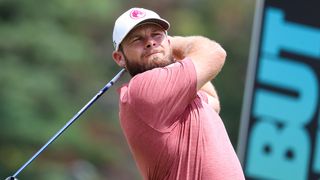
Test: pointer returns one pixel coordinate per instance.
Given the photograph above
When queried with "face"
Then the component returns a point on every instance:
(145, 47)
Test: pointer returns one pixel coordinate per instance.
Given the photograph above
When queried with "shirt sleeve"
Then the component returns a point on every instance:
(159, 96)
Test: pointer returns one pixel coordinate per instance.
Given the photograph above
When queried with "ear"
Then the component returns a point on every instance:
(118, 58)
(169, 39)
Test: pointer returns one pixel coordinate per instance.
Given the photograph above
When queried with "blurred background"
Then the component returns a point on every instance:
(56, 55)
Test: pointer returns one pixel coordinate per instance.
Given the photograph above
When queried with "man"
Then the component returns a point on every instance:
(169, 109)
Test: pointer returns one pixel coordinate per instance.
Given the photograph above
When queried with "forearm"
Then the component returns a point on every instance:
(213, 98)
(184, 46)
(208, 56)
(210, 90)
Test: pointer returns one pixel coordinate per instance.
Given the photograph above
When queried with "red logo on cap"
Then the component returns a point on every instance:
(137, 14)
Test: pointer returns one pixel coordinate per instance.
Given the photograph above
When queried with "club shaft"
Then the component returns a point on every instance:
(72, 120)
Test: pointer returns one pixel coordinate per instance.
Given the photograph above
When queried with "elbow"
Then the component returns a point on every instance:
(218, 56)
(221, 54)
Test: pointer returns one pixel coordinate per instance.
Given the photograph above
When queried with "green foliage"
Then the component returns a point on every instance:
(55, 55)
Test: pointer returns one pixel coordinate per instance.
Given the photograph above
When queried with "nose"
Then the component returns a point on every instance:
(150, 43)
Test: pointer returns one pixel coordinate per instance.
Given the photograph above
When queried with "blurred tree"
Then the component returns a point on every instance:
(55, 55)
(50, 56)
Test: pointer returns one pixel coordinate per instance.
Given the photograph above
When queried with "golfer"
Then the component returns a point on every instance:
(169, 110)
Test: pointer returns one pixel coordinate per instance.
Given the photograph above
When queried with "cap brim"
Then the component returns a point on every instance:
(163, 23)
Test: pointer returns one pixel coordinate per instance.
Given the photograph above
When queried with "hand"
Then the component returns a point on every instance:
(177, 48)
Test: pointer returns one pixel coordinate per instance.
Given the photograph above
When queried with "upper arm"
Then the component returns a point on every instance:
(208, 58)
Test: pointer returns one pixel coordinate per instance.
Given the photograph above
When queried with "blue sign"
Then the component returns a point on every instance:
(280, 130)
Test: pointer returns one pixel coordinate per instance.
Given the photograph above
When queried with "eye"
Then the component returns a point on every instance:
(135, 39)
(157, 35)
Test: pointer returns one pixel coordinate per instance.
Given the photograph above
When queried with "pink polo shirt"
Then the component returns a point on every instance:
(171, 130)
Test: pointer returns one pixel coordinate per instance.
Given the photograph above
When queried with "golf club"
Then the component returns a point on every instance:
(72, 120)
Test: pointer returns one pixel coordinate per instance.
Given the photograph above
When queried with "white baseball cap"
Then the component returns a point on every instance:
(130, 19)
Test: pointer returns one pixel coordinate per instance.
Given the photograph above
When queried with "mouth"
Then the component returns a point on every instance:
(152, 53)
